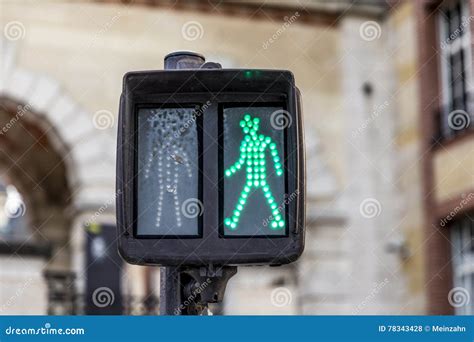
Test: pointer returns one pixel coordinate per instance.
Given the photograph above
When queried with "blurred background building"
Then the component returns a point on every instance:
(387, 94)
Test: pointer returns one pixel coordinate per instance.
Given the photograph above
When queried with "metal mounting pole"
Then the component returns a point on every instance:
(188, 290)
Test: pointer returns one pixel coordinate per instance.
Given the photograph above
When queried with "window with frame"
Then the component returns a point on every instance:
(456, 112)
(462, 237)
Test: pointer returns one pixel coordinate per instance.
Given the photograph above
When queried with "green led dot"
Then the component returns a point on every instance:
(247, 117)
(273, 206)
(246, 130)
(274, 225)
(274, 153)
(272, 146)
(271, 200)
(233, 225)
(245, 195)
(256, 183)
(227, 173)
(281, 224)
(268, 140)
(246, 189)
(276, 158)
(278, 217)
(261, 137)
(267, 195)
(240, 207)
(262, 162)
(242, 124)
(262, 176)
(236, 213)
(227, 221)
(275, 212)
(279, 172)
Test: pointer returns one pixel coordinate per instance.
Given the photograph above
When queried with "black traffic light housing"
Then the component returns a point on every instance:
(206, 98)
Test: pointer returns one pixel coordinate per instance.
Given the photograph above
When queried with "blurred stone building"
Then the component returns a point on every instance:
(389, 163)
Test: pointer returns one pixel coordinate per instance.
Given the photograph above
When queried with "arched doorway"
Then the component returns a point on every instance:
(32, 161)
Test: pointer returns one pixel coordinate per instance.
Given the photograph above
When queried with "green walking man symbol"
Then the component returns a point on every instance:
(252, 159)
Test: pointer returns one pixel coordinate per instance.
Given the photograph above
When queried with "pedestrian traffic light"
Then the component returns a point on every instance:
(210, 168)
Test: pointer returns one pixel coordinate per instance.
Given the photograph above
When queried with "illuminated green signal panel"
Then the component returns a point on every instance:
(253, 172)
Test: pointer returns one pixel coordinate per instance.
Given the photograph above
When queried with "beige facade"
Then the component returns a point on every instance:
(364, 248)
